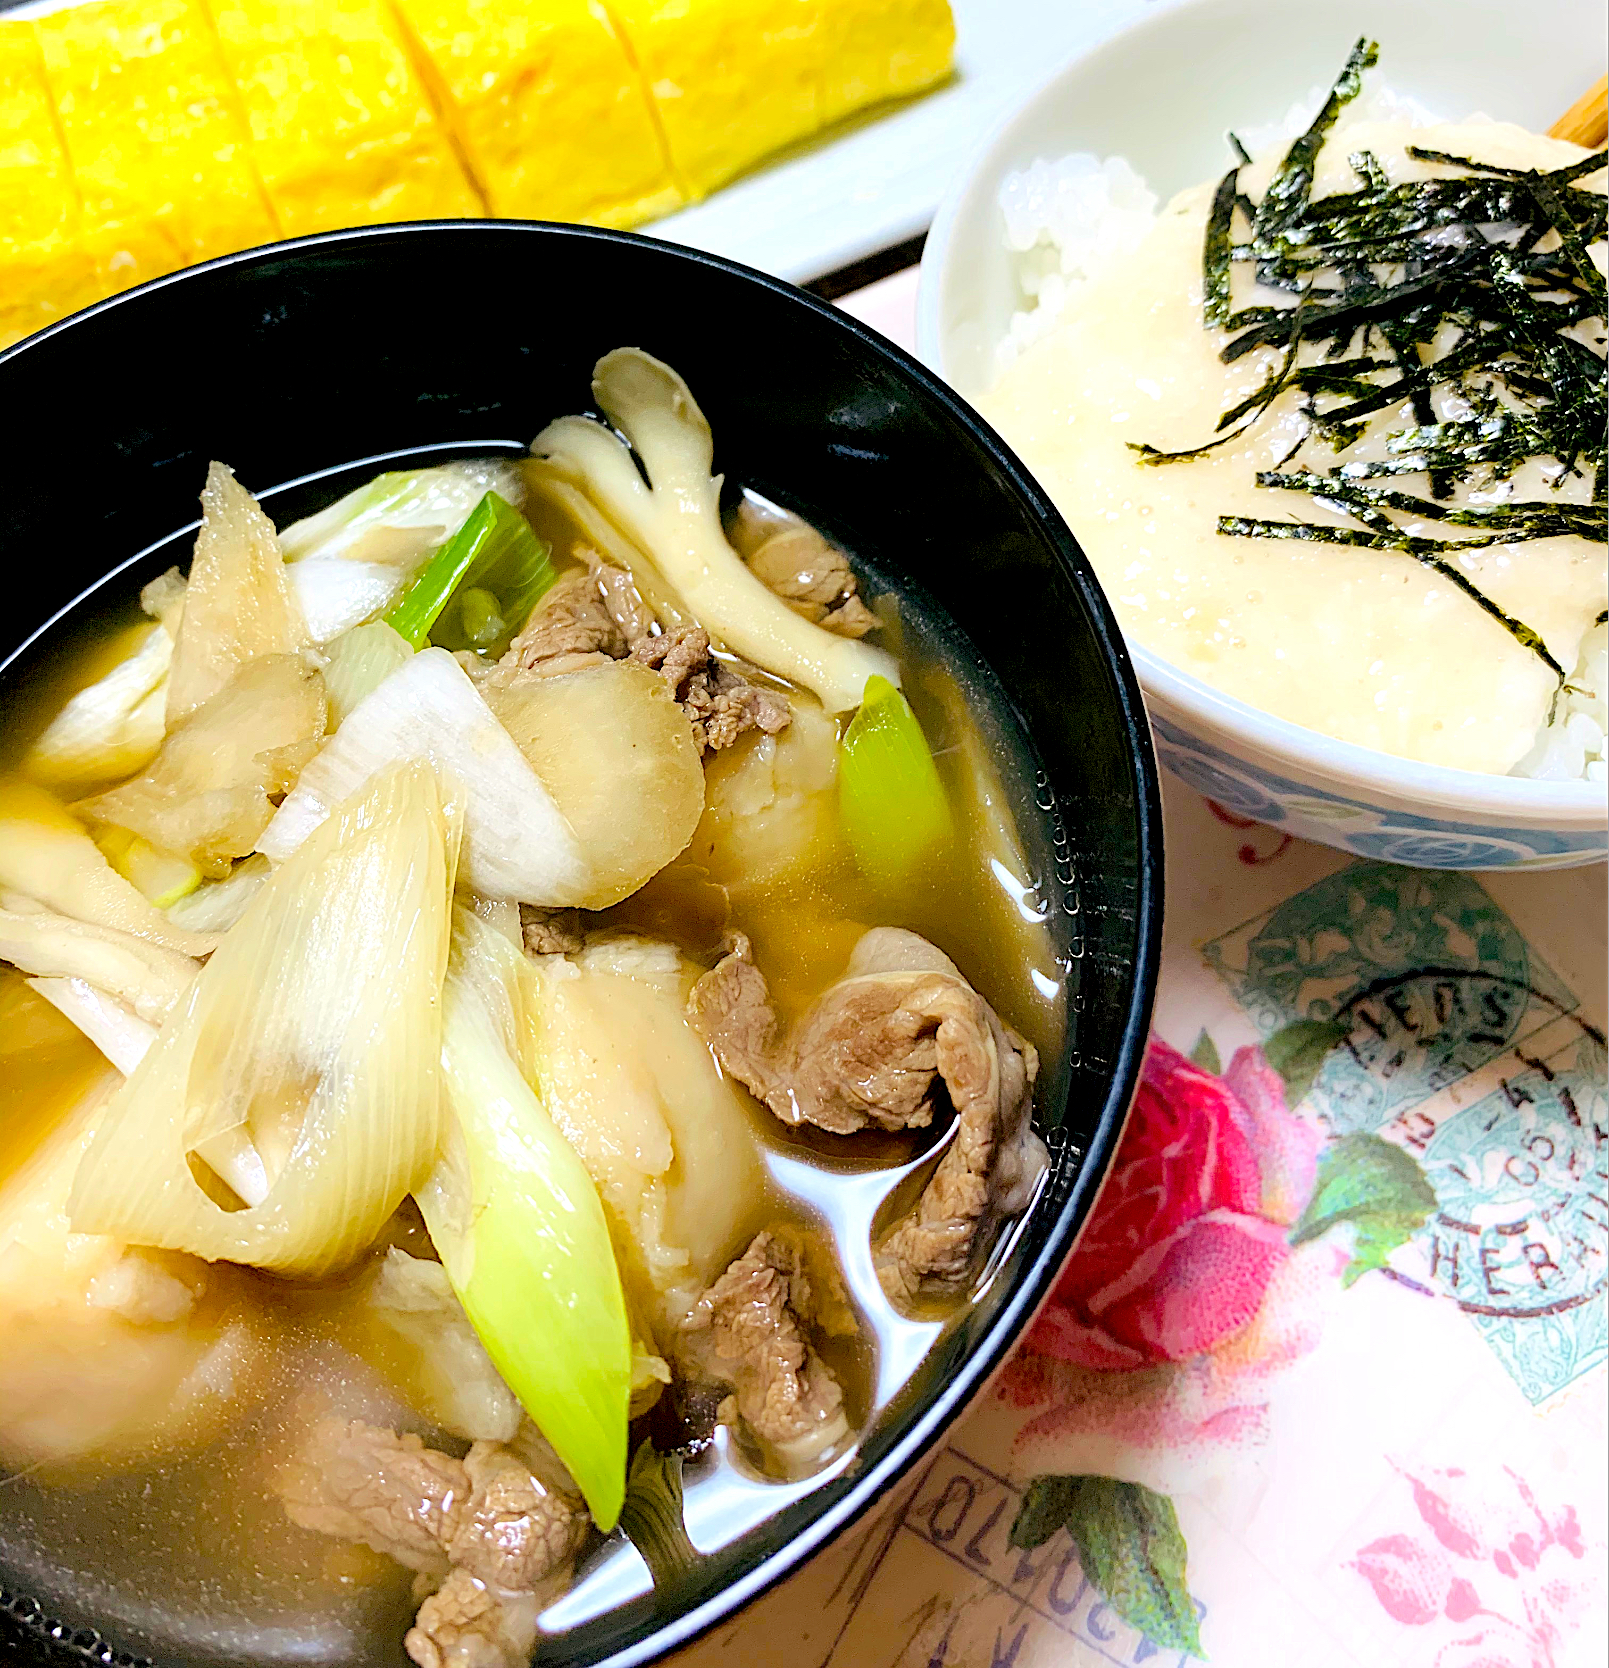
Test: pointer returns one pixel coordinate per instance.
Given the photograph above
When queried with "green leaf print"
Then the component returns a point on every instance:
(1375, 1186)
(1297, 1053)
(1043, 1511)
(1205, 1054)
(1129, 1545)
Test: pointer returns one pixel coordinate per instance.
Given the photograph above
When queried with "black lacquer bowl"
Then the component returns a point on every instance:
(305, 359)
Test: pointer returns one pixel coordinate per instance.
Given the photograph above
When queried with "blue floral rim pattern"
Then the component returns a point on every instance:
(1365, 830)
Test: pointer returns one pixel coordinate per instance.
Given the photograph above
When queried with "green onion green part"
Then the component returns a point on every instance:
(891, 802)
(480, 587)
(520, 1230)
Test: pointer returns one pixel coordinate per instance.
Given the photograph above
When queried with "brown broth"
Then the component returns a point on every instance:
(187, 1522)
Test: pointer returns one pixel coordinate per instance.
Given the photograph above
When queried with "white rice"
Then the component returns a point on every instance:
(1069, 221)
(1378, 102)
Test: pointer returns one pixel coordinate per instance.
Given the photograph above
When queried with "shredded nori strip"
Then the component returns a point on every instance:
(1215, 254)
(1285, 202)
(1428, 294)
(1516, 520)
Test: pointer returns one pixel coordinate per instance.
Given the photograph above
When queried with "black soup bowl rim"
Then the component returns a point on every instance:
(926, 1426)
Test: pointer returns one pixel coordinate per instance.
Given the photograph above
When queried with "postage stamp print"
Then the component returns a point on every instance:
(1520, 1239)
(1010, 1608)
(1428, 974)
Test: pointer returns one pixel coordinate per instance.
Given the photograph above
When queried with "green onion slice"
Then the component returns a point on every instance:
(480, 587)
(891, 802)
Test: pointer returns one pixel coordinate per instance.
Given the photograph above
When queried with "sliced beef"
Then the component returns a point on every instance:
(570, 628)
(623, 600)
(749, 1331)
(866, 1053)
(513, 1530)
(590, 617)
(365, 1483)
(552, 932)
(901, 1035)
(464, 1624)
(720, 703)
(990, 1169)
(494, 1539)
(814, 578)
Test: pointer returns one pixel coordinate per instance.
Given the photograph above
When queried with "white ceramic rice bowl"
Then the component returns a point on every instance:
(1163, 93)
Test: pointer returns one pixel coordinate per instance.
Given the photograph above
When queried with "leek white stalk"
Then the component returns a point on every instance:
(518, 1226)
(675, 519)
(360, 661)
(47, 854)
(147, 977)
(517, 843)
(158, 876)
(315, 1033)
(233, 1155)
(125, 1039)
(114, 1028)
(400, 517)
(334, 595)
(216, 905)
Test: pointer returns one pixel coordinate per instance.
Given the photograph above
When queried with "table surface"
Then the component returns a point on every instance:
(1401, 1470)
(1406, 1471)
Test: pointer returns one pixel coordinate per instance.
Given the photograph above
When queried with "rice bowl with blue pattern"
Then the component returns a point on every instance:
(1354, 696)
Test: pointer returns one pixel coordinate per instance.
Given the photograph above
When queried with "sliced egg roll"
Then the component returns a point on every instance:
(732, 80)
(872, 50)
(342, 129)
(546, 107)
(154, 137)
(44, 272)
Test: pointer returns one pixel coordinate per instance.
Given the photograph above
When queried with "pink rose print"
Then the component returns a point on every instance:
(1183, 1299)
(1504, 1580)
(1206, 1270)
(1411, 1580)
(1186, 1236)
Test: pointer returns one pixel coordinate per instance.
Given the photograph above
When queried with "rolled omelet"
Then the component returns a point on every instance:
(731, 80)
(547, 108)
(141, 136)
(44, 272)
(342, 129)
(882, 50)
(735, 80)
(153, 136)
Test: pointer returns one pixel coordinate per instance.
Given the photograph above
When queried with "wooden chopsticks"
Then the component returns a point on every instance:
(1586, 122)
